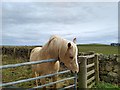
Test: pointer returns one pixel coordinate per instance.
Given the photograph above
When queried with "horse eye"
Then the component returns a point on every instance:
(71, 57)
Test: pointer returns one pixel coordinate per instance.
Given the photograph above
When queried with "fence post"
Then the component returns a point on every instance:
(82, 75)
(28, 53)
(96, 68)
(14, 52)
(3, 50)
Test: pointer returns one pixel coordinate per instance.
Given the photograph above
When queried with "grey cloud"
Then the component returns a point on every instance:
(22, 13)
(34, 23)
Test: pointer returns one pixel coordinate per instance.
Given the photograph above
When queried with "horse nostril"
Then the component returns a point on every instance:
(75, 71)
(71, 71)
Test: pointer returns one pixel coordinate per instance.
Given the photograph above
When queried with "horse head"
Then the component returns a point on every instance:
(68, 55)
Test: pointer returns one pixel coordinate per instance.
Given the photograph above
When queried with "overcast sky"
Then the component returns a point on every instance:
(29, 23)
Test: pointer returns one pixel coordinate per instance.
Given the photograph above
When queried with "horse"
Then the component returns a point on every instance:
(63, 50)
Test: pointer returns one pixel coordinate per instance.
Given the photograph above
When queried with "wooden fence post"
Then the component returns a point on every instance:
(3, 50)
(96, 69)
(28, 53)
(14, 52)
(82, 75)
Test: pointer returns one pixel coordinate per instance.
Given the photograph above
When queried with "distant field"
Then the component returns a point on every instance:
(98, 48)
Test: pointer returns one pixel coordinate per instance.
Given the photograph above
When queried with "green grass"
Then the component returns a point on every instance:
(23, 72)
(14, 74)
(98, 48)
(105, 86)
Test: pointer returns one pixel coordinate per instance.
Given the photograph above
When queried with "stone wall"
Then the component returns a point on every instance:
(16, 52)
(109, 67)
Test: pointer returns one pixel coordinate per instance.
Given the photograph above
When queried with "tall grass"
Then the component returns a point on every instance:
(105, 86)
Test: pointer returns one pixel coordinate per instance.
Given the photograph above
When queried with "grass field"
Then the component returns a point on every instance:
(25, 72)
(14, 74)
(98, 48)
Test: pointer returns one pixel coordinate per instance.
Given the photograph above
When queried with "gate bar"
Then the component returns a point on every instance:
(52, 83)
(30, 79)
(26, 63)
(67, 87)
(75, 81)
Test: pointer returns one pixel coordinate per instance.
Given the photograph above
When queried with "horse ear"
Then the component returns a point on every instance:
(69, 45)
(74, 40)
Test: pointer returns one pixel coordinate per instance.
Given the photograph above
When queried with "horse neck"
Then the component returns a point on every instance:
(49, 53)
(58, 50)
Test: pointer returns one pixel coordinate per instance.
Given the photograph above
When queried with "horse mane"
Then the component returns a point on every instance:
(51, 39)
(55, 47)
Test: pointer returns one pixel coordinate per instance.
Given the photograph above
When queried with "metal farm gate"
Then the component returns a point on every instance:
(40, 77)
(87, 76)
